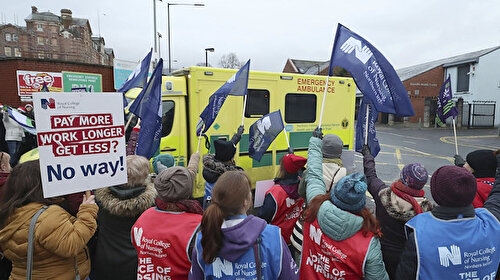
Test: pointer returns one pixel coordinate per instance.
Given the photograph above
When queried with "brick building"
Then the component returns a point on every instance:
(48, 36)
(9, 66)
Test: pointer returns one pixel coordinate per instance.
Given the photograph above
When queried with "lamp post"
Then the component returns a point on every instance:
(206, 55)
(168, 28)
(159, 44)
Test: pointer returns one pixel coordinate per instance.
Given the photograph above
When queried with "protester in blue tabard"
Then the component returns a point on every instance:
(232, 245)
(214, 165)
(454, 240)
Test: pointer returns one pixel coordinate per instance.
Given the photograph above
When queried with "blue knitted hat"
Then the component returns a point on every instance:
(165, 160)
(349, 193)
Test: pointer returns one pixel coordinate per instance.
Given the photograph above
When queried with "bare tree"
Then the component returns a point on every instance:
(230, 61)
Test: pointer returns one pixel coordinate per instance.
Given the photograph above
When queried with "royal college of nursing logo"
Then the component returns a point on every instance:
(46, 104)
(219, 266)
(361, 53)
(446, 256)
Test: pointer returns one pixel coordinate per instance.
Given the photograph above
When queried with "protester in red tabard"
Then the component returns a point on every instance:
(164, 235)
(283, 204)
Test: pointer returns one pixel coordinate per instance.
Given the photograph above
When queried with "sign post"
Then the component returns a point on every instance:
(80, 141)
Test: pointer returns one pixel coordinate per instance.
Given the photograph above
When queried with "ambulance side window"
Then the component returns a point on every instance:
(167, 119)
(300, 108)
(257, 103)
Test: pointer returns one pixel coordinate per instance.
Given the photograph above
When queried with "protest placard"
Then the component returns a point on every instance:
(261, 187)
(80, 141)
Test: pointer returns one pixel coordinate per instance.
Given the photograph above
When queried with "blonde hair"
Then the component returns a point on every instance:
(137, 170)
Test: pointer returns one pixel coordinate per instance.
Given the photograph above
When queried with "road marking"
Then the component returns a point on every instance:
(444, 139)
(404, 136)
(450, 159)
(398, 157)
(410, 142)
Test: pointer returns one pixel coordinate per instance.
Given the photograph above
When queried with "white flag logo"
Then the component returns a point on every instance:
(445, 256)
(361, 53)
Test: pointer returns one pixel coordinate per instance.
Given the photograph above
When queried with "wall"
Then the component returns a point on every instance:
(8, 79)
(427, 84)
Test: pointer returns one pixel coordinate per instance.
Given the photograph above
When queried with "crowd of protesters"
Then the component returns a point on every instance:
(314, 223)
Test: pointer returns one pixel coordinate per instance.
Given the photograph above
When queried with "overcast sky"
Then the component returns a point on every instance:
(269, 32)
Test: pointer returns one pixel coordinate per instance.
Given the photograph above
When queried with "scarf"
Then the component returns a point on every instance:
(407, 193)
(290, 185)
(186, 205)
(338, 161)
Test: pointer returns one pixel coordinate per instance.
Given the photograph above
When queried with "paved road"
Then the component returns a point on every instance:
(431, 147)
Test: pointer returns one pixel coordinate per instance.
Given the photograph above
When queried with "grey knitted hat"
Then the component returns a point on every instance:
(332, 146)
(174, 184)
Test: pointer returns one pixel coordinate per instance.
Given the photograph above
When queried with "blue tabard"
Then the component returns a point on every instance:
(244, 268)
(467, 248)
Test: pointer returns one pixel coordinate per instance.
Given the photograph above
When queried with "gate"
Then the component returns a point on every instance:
(479, 114)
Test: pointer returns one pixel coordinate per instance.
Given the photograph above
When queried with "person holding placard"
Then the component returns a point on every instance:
(59, 240)
(283, 204)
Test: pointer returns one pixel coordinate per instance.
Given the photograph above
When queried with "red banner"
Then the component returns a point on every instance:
(32, 81)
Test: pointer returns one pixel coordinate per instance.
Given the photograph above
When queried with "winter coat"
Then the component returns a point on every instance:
(3, 179)
(484, 186)
(407, 268)
(332, 173)
(132, 141)
(119, 208)
(239, 236)
(392, 212)
(334, 222)
(212, 168)
(59, 240)
(13, 130)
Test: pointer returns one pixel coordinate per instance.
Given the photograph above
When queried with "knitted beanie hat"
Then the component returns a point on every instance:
(293, 163)
(414, 175)
(453, 186)
(162, 162)
(350, 193)
(174, 184)
(224, 150)
(483, 162)
(332, 146)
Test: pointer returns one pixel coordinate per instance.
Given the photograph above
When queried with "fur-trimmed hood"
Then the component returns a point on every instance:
(212, 168)
(400, 209)
(126, 202)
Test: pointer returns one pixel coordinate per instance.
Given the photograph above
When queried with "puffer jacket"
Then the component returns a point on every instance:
(119, 208)
(212, 168)
(60, 240)
(13, 130)
(392, 212)
(336, 223)
(333, 171)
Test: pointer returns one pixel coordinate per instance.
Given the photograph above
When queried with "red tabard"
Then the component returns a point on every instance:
(325, 258)
(161, 240)
(287, 213)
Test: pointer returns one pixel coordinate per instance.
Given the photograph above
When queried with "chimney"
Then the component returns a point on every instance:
(66, 18)
(34, 9)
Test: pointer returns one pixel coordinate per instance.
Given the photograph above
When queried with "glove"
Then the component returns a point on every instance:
(318, 133)
(459, 161)
(366, 150)
(290, 150)
(240, 130)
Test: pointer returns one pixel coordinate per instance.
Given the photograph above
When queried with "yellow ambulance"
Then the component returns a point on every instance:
(185, 94)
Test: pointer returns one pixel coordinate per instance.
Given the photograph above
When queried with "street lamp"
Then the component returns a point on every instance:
(206, 55)
(168, 28)
(159, 44)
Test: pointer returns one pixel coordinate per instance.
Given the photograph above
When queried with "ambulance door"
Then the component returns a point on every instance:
(174, 127)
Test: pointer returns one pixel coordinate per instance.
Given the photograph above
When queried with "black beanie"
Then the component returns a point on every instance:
(224, 150)
(483, 162)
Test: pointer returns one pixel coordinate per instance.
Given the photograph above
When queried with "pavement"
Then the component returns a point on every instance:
(432, 147)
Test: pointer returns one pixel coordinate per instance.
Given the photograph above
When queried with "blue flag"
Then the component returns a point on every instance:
(445, 105)
(138, 77)
(236, 85)
(263, 132)
(361, 128)
(147, 106)
(373, 74)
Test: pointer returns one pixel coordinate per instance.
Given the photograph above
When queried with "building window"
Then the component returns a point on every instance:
(54, 42)
(300, 108)
(48, 55)
(463, 78)
(39, 40)
(8, 51)
(39, 27)
(417, 92)
(17, 52)
(7, 37)
(167, 120)
(257, 103)
(65, 34)
(15, 38)
(41, 55)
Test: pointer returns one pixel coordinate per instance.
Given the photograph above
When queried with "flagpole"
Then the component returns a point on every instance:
(129, 120)
(455, 133)
(244, 108)
(199, 140)
(323, 104)
(366, 122)
(286, 136)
